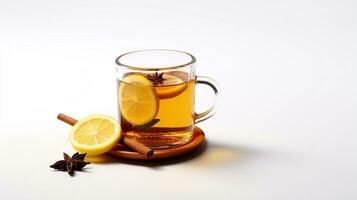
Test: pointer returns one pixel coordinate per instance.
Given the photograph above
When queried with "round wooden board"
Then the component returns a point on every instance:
(196, 140)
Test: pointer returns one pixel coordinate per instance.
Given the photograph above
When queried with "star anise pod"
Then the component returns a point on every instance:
(156, 78)
(70, 164)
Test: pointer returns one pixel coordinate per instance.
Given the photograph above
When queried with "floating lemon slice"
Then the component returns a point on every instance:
(138, 102)
(95, 134)
(172, 87)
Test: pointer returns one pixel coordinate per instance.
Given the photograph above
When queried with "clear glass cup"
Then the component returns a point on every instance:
(156, 96)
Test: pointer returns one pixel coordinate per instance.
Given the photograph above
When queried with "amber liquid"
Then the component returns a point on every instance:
(175, 114)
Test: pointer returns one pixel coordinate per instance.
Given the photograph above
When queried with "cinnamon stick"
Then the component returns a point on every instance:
(137, 146)
(65, 118)
(129, 142)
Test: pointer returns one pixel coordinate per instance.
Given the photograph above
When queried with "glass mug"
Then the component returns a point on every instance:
(156, 96)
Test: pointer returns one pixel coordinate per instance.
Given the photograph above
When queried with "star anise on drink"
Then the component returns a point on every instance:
(70, 164)
(156, 78)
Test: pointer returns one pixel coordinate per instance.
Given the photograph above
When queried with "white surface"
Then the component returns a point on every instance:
(286, 128)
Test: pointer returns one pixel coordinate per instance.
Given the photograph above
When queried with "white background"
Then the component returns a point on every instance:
(286, 125)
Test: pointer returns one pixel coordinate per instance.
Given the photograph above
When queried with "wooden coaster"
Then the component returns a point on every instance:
(197, 139)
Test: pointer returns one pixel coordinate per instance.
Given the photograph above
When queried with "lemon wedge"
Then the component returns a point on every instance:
(95, 134)
(172, 87)
(138, 101)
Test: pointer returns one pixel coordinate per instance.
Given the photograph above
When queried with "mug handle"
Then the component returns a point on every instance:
(199, 117)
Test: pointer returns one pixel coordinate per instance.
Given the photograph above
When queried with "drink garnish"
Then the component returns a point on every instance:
(127, 141)
(156, 78)
(70, 164)
(138, 102)
(95, 134)
(147, 125)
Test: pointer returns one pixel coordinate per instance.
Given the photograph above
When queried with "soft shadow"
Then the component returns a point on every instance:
(100, 159)
(154, 164)
(221, 154)
(209, 154)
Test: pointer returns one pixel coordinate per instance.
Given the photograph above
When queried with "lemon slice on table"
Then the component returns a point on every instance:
(172, 86)
(138, 102)
(95, 134)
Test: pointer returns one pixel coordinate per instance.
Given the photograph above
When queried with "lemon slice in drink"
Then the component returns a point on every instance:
(95, 134)
(172, 86)
(138, 102)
